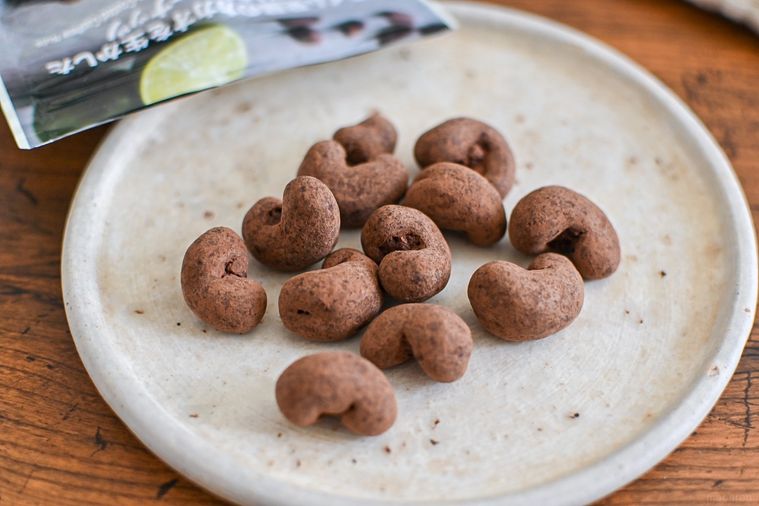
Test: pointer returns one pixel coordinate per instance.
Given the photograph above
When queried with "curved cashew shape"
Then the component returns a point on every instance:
(369, 139)
(215, 282)
(523, 305)
(457, 198)
(435, 336)
(337, 383)
(333, 303)
(414, 259)
(362, 187)
(558, 219)
(295, 232)
(472, 143)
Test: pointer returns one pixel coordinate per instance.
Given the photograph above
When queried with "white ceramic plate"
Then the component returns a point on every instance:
(565, 420)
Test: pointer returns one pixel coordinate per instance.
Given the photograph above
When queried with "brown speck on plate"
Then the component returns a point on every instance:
(193, 415)
(387, 449)
(434, 442)
(139, 311)
(574, 416)
(663, 274)
(208, 215)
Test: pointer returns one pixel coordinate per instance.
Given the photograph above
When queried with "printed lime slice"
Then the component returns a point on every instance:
(207, 57)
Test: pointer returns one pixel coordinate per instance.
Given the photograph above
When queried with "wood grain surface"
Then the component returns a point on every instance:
(61, 444)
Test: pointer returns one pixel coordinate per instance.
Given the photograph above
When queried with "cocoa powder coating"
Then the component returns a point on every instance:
(369, 139)
(295, 232)
(337, 383)
(436, 337)
(215, 282)
(333, 303)
(459, 199)
(471, 143)
(413, 256)
(519, 304)
(557, 219)
(362, 175)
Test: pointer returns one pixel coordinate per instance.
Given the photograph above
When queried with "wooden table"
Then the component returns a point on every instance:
(61, 444)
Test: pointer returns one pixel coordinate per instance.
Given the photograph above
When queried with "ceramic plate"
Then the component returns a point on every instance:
(564, 420)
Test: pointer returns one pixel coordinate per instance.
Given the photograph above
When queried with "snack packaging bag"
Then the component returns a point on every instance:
(68, 65)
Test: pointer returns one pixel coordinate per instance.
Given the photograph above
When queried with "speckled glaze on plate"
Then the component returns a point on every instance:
(564, 420)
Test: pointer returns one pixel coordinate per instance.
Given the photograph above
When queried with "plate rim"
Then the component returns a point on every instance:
(584, 486)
